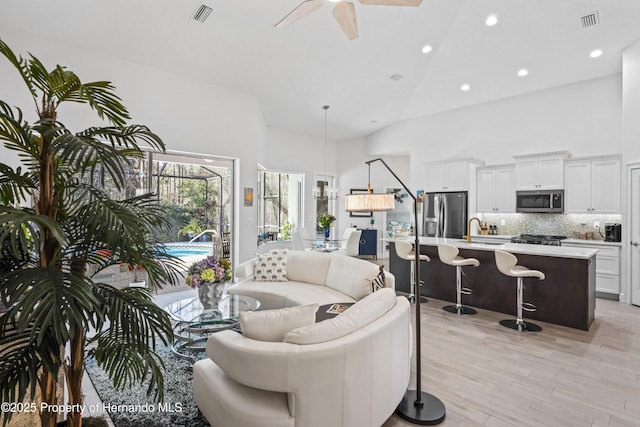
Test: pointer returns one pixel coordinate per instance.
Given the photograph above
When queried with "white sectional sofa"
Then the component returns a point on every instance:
(310, 277)
(349, 371)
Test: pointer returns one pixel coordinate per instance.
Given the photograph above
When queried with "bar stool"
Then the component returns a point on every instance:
(506, 263)
(405, 251)
(449, 255)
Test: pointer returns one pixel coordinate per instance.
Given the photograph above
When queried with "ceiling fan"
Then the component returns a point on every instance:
(344, 12)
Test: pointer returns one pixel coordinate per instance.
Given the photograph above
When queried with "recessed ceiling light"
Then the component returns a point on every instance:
(491, 20)
(427, 48)
(523, 72)
(465, 87)
(595, 53)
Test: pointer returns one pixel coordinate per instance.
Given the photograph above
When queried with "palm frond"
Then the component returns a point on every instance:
(16, 133)
(22, 65)
(24, 229)
(21, 359)
(129, 137)
(56, 301)
(126, 348)
(15, 185)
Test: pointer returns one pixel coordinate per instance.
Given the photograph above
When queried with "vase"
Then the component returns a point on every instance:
(327, 233)
(209, 294)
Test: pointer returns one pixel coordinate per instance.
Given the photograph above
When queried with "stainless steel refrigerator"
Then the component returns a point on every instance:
(444, 215)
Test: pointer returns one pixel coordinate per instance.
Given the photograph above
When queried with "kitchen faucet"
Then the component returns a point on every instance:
(468, 236)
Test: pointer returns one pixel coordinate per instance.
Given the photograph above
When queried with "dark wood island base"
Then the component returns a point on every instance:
(565, 297)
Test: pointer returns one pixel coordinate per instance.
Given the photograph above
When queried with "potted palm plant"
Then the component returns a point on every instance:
(58, 226)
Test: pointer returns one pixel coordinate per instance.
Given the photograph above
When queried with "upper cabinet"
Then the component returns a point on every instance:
(450, 176)
(496, 189)
(541, 171)
(592, 185)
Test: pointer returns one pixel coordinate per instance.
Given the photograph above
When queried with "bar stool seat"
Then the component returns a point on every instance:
(507, 264)
(449, 255)
(405, 251)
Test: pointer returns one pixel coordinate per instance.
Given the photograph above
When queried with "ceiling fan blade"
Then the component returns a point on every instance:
(301, 11)
(345, 14)
(414, 3)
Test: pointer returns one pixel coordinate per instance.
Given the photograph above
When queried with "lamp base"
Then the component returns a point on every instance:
(431, 412)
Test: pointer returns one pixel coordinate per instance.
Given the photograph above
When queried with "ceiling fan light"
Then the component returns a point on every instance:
(427, 48)
(491, 20)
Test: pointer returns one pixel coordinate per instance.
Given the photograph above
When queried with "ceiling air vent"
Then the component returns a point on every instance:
(202, 13)
(396, 77)
(590, 20)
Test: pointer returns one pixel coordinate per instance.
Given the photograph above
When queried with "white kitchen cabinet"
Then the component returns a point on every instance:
(592, 185)
(450, 176)
(495, 189)
(541, 171)
(607, 266)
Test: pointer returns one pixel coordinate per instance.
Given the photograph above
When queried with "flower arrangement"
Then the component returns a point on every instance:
(325, 220)
(208, 271)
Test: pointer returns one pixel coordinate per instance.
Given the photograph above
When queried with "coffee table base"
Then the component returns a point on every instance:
(187, 336)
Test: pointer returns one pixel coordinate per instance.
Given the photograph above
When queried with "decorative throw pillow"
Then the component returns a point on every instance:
(271, 267)
(272, 325)
(378, 282)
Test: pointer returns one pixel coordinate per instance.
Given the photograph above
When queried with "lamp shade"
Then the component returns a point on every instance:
(369, 202)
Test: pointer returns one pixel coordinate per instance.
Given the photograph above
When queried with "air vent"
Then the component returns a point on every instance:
(202, 13)
(396, 77)
(590, 20)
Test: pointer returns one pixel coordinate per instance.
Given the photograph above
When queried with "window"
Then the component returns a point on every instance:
(279, 204)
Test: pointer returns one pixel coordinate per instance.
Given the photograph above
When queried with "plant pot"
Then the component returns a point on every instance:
(138, 284)
(210, 293)
(327, 233)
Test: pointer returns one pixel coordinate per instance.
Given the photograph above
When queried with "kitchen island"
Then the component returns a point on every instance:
(566, 297)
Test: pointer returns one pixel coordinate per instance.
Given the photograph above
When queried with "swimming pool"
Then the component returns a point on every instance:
(189, 251)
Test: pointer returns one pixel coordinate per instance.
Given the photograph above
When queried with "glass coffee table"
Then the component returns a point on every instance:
(193, 323)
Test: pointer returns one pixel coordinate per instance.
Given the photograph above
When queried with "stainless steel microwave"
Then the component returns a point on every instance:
(540, 201)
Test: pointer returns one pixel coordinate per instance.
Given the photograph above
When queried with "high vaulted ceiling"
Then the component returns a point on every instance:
(297, 69)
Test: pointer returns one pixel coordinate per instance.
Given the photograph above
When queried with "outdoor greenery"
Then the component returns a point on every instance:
(59, 225)
(199, 193)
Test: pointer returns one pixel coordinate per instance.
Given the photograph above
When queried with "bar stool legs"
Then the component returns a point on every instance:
(412, 295)
(507, 264)
(405, 251)
(519, 324)
(459, 308)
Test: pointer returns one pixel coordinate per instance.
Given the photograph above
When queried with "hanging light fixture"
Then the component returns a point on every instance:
(325, 191)
(369, 202)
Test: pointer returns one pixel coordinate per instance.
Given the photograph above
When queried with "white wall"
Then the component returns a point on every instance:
(584, 118)
(631, 103)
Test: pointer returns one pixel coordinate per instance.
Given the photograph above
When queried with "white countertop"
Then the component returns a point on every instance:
(515, 248)
(591, 242)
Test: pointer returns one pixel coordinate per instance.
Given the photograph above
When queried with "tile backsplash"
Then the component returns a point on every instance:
(569, 225)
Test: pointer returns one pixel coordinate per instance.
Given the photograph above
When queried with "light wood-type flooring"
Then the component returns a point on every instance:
(488, 375)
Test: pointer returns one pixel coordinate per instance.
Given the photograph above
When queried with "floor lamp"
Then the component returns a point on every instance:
(416, 406)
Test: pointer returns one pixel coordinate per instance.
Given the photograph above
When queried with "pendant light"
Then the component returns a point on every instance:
(328, 191)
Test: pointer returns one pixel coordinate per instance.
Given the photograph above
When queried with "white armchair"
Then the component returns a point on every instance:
(297, 244)
(350, 245)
